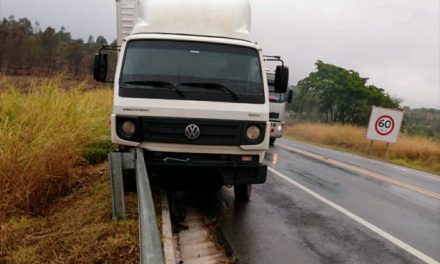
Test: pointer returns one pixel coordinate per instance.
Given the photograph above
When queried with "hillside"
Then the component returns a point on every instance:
(423, 122)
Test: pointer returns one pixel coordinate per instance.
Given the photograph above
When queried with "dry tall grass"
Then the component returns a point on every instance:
(76, 228)
(416, 152)
(42, 135)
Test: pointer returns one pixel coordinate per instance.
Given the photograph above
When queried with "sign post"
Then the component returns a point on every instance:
(384, 126)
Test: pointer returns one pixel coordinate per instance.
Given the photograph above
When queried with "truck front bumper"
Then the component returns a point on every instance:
(232, 172)
(276, 129)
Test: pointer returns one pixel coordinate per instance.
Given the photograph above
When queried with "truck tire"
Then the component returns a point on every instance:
(242, 192)
(272, 141)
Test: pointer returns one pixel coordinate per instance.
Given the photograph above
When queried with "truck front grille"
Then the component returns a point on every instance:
(274, 115)
(172, 130)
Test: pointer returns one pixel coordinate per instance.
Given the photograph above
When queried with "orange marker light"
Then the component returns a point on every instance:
(246, 158)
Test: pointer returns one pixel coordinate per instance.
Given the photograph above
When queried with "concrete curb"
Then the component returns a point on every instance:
(167, 233)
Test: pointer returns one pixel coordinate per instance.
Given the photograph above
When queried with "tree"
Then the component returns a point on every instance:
(335, 94)
(101, 41)
(74, 55)
(28, 49)
(49, 45)
(15, 39)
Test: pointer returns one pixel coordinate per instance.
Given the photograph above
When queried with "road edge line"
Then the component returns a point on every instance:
(360, 220)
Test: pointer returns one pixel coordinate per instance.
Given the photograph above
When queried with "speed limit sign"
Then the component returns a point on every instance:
(384, 124)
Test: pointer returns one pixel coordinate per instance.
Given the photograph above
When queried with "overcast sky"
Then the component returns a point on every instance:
(395, 43)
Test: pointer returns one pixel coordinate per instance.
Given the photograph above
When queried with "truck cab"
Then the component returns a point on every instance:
(190, 90)
(277, 107)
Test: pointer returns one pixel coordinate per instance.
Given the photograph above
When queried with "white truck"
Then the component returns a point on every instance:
(191, 91)
(277, 107)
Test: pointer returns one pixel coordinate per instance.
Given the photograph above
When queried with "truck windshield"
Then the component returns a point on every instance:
(191, 71)
(275, 97)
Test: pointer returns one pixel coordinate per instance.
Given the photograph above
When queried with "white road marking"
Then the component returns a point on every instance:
(360, 220)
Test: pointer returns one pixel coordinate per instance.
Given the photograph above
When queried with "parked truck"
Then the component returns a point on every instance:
(190, 90)
(277, 107)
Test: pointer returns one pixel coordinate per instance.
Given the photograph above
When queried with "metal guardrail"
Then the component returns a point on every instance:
(151, 247)
(149, 240)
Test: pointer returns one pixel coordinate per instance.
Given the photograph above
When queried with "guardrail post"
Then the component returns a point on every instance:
(117, 185)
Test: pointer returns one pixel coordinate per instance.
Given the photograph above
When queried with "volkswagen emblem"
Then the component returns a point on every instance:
(192, 132)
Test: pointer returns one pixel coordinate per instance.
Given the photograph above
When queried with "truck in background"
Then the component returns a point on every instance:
(277, 103)
(277, 106)
(191, 91)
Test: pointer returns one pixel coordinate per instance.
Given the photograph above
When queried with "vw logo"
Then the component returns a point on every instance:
(192, 131)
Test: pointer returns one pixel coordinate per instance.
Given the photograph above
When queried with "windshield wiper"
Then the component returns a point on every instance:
(217, 86)
(155, 83)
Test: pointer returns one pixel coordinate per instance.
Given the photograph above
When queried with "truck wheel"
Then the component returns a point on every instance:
(242, 192)
(272, 141)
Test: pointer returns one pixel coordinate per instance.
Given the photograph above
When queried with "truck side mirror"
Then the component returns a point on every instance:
(100, 65)
(281, 79)
(290, 96)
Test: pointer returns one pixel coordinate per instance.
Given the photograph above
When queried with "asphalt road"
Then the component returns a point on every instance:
(334, 208)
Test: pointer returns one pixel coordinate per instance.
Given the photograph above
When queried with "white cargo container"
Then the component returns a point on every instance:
(125, 18)
(190, 90)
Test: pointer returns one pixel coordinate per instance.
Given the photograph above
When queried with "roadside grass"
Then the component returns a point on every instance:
(46, 132)
(411, 151)
(76, 228)
(25, 83)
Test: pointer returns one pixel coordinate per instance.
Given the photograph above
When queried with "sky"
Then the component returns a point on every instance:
(395, 43)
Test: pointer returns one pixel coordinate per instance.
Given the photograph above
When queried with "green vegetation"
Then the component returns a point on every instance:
(98, 151)
(26, 49)
(422, 122)
(45, 134)
(334, 94)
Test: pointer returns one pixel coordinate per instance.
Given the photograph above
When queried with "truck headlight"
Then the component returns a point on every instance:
(253, 132)
(128, 127)
(279, 127)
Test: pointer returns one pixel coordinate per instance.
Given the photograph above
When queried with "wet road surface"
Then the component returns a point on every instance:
(285, 224)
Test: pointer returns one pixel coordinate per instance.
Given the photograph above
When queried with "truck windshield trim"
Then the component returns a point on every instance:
(215, 72)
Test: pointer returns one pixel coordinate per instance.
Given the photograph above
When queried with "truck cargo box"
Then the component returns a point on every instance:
(215, 18)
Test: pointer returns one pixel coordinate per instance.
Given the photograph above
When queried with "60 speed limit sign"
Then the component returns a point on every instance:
(384, 124)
